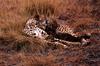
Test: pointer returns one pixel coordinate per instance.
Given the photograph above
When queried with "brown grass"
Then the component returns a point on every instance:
(13, 16)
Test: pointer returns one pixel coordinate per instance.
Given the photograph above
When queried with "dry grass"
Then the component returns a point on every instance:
(45, 7)
(13, 16)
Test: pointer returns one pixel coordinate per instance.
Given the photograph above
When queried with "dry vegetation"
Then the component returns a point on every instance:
(16, 49)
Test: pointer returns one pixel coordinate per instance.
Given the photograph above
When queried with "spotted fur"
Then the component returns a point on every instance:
(65, 29)
(33, 30)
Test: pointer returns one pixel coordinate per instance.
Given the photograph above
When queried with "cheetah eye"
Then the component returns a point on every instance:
(42, 32)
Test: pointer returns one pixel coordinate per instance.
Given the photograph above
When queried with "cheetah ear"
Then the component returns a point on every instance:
(37, 17)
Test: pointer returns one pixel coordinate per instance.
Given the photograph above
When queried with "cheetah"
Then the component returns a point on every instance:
(33, 30)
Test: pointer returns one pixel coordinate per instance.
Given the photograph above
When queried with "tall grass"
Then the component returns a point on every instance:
(44, 7)
(13, 14)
